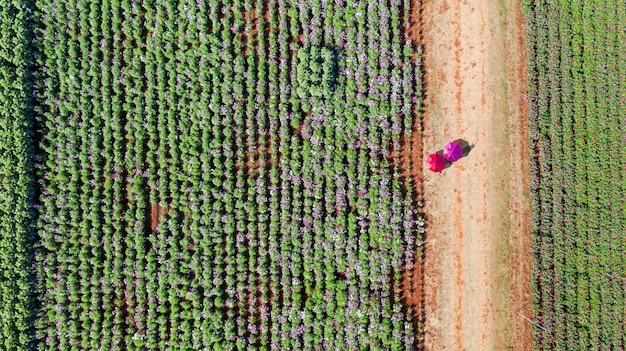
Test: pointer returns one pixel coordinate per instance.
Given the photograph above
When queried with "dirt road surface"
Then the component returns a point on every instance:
(477, 257)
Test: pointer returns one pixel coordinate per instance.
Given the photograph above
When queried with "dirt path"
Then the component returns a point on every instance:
(477, 265)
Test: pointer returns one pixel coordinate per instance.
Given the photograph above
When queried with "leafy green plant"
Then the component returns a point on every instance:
(577, 143)
(316, 72)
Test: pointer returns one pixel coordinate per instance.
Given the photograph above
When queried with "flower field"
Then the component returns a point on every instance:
(577, 114)
(211, 174)
(244, 174)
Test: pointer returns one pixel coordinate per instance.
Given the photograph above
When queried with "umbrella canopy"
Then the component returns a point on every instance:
(453, 151)
(436, 162)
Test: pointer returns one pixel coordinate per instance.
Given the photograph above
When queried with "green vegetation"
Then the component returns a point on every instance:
(316, 72)
(578, 127)
(210, 174)
(16, 179)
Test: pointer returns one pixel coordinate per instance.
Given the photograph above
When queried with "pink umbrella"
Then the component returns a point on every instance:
(453, 151)
(436, 162)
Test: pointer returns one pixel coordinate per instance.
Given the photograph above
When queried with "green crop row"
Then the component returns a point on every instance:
(192, 198)
(578, 191)
(17, 197)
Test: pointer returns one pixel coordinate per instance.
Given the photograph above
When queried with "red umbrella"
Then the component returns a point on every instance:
(453, 151)
(436, 162)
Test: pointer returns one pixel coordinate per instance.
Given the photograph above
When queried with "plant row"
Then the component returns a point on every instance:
(17, 186)
(578, 186)
(192, 198)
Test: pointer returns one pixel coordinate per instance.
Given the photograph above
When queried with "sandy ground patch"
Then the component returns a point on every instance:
(477, 257)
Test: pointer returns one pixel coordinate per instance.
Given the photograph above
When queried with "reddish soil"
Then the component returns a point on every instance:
(156, 216)
(410, 159)
(476, 271)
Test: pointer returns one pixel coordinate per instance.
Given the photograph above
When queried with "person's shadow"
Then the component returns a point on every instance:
(448, 163)
(466, 150)
(465, 145)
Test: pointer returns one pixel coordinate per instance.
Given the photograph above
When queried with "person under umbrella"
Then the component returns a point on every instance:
(436, 162)
(453, 151)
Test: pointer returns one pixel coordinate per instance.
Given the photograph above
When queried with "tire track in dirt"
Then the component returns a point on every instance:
(477, 258)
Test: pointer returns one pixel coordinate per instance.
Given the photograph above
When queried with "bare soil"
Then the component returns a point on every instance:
(411, 165)
(157, 214)
(477, 256)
